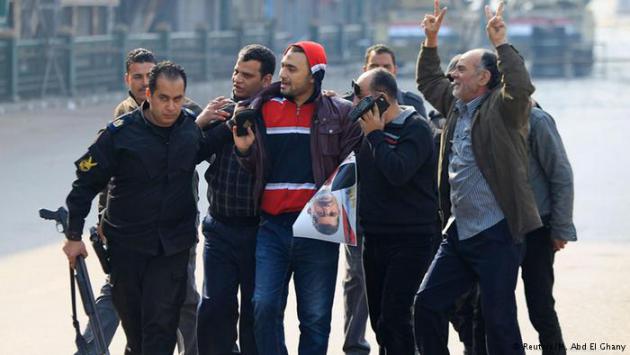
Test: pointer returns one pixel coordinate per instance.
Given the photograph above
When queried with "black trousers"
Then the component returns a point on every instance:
(394, 266)
(148, 293)
(538, 279)
(229, 261)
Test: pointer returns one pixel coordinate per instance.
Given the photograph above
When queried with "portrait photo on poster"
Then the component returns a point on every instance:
(330, 215)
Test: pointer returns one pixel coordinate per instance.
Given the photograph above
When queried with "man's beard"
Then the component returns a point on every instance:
(288, 95)
(236, 98)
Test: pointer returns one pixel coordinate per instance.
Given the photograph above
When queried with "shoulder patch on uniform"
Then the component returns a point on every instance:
(118, 122)
(86, 164)
(121, 121)
(189, 111)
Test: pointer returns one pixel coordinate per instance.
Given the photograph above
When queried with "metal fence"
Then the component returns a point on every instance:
(67, 66)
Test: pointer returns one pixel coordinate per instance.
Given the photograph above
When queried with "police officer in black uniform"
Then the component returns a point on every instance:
(150, 221)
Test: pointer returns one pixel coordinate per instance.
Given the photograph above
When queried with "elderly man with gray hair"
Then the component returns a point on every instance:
(485, 197)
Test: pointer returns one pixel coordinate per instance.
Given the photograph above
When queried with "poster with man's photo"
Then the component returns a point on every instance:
(331, 214)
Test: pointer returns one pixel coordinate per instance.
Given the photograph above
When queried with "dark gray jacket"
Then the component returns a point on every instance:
(408, 98)
(551, 176)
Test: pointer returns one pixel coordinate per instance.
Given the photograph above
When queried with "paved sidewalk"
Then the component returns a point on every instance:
(592, 293)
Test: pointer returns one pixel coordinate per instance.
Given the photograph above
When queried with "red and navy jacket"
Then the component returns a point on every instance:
(290, 184)
(331, 137)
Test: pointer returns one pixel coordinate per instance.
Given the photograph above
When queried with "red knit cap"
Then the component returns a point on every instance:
(315, 55)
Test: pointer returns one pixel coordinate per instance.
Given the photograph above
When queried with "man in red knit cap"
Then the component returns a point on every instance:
(300, 137)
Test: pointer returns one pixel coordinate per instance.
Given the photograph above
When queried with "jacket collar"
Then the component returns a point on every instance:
(471, 105)
(134, 99)
(145, 106)
(406, 112)
(272, 91)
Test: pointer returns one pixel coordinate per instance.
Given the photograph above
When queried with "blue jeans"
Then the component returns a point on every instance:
(490, 258)
(313, 264)
(107, 315)
(228, 264)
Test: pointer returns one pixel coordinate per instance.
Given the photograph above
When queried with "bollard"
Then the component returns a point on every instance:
(204, 49)
(12, 68)
(165, 40)
(314, 32)
(341, 42)
(120, 39)
(240, 35)
(71, 74)
(271, 34)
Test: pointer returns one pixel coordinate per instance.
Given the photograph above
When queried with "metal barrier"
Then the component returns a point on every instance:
(96, 64)
(40, 68)
(5, 77)
(68, 65)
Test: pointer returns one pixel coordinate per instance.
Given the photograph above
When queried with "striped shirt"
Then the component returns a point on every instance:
(473, 204)
(290, 184)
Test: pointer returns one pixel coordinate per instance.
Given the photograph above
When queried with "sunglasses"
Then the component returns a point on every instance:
(356, 89)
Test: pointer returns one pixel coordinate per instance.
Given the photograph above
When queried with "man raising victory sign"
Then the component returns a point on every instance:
(485, 198)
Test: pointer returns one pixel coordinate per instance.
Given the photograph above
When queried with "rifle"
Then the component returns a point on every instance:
(82, 277)
(99, 249)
